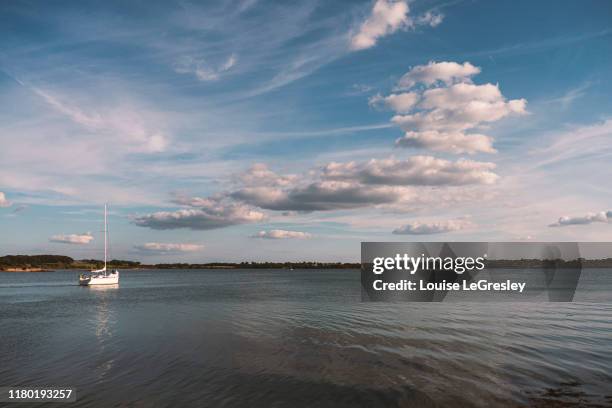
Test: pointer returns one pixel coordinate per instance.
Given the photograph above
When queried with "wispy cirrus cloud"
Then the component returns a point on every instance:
(573, 143)
(123, 125)
(202, 69)
(73, 239)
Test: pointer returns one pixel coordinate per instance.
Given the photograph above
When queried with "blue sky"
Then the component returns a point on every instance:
(273, 131)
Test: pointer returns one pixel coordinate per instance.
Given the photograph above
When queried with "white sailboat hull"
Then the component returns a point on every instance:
(110, 279)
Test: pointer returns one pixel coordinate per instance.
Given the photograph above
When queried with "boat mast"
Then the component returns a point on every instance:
(105, 227)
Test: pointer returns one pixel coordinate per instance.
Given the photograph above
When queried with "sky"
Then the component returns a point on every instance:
(255, 130)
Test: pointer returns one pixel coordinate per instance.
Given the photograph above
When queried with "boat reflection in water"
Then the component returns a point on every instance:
(103, 322)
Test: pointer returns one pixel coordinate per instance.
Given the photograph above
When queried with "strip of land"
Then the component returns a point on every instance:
(44, 263)
(47, 263)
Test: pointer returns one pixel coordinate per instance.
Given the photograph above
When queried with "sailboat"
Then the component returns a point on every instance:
(101, 276)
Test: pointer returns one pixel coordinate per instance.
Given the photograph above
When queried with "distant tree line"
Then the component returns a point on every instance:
(57, 261)
(115, 263)
(66, 262)
(258, 265)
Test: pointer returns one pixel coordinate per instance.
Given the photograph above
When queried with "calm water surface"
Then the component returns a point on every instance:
(267, 338)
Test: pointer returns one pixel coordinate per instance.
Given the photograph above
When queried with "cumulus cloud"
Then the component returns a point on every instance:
(260, 175)
(309, 193)
(446, 112)
(446, 118)
(352, 185)
(453, 142)
(167, 248)
(336, 186)
(416, 171)
(400, 103)
(4, 202)
(205, 214)
(202, 69)
(74, 239)
(386, 18)
(430, 74)
(281, 234)
(386, 183)
(436, 227)
(319, 196)
(458, 95)
(602, 216)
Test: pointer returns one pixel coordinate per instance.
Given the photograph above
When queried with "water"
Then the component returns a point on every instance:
(268, 338)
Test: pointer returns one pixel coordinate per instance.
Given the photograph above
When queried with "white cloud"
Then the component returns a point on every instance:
(431, 19)
(435, 227)
(229, 63)
(442, 118)
(416, 171)
(319, 196)
(72, 112)
(99, 136)
(75, 239)
(359, 89)
(282, 234)
(400, 103)
(203, 70)
(386, 18)
(207, 213)
(594, 141)
(260, 175)
(446, 72)
(377, 182)
(602, 216)
(456, 96)
(3, 201)
(167, 248)
(122, 126)
(446, 111)
(453, 142)
(438, 198)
